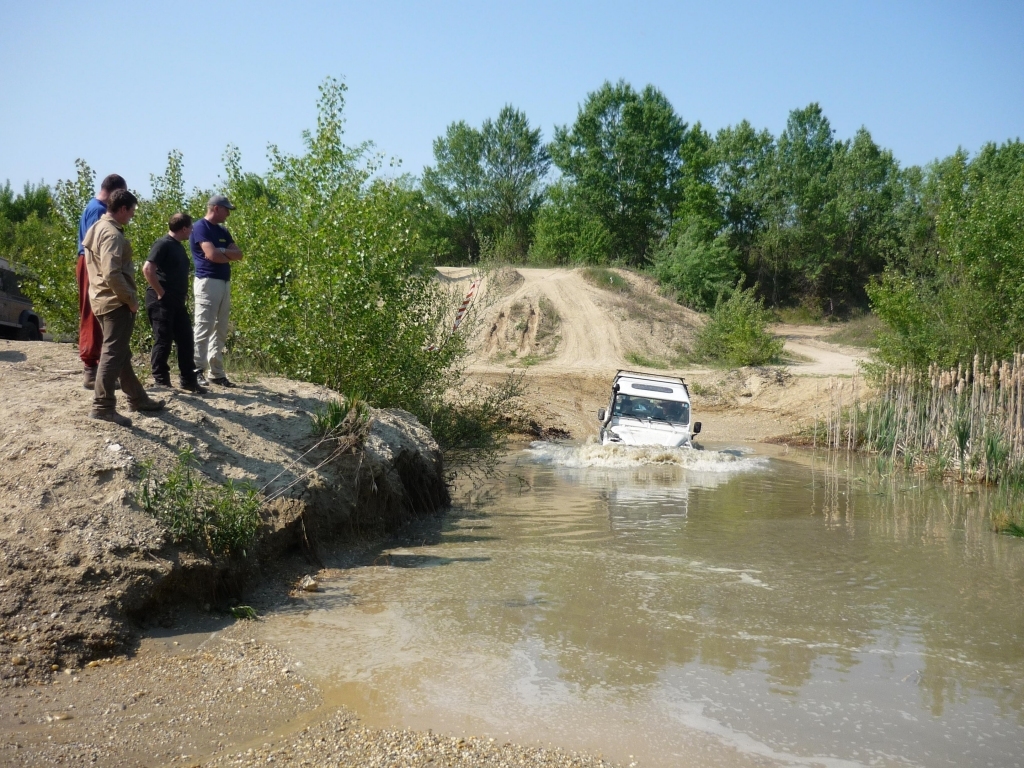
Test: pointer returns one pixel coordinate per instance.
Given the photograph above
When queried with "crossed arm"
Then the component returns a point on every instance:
(213, 254)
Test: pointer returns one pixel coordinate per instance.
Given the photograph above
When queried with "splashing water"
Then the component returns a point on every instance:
(633, 456)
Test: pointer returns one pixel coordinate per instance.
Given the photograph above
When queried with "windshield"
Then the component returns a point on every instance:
(651, 408)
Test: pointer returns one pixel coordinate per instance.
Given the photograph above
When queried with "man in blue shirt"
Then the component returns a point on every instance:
(90, 337)
(213, 250)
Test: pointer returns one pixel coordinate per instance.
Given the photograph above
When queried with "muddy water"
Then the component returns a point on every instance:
(722, 609)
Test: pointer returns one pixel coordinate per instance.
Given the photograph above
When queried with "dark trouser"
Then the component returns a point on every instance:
(90, 337)
(116, 361)
(171, 324)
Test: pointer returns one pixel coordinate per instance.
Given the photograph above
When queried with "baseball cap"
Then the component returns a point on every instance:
(220, 200)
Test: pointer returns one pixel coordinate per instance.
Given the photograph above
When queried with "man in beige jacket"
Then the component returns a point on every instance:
(114, 300)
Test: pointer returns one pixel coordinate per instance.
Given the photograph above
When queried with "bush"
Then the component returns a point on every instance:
(737, 334)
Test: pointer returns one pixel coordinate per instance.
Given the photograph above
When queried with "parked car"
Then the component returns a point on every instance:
(647, 409)
(17, 318)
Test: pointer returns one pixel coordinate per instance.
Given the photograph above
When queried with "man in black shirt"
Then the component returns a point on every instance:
(167, 272)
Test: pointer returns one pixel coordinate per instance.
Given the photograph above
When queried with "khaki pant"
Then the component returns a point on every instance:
(116, 361)
(213, 304)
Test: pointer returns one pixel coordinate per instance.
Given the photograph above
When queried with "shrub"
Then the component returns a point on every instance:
(737, 332)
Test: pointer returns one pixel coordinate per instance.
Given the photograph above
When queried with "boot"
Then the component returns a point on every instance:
(111, 416)
(89, 377)
(149, 404)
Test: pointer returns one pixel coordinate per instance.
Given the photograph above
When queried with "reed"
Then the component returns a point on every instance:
(965, 422)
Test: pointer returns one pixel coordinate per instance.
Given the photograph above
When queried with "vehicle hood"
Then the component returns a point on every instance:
(637, 432)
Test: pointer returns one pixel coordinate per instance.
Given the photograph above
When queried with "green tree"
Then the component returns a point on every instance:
(515, 162)
(623, 157)
(31, 200)
(957, 289)
(489, 182)
(568, 232)
(456, 184)
(698, 264)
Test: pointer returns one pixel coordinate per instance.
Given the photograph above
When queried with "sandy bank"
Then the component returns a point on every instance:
(82, 569)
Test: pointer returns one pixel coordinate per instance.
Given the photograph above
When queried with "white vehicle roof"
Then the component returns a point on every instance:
(652, 385)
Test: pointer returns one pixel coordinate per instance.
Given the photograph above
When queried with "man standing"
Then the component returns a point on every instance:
(108, 258)
(213, 250)
(90, 340)
(166, 270)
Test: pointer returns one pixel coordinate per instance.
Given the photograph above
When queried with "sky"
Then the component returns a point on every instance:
(121, 85)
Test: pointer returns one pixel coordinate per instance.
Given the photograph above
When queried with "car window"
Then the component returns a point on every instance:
(651, 408)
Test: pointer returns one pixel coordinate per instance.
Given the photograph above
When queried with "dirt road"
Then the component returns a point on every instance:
(569, 337)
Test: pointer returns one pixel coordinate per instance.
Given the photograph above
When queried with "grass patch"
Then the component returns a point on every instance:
(635, 358)
(221, 520)
(339, 417)
(605, 278)
(701, 391)
(862, 331)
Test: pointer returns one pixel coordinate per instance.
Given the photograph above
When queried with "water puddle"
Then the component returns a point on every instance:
(680, 607)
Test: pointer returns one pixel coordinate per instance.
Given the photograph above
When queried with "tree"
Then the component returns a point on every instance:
(456, 184)
(515, 163)
(623, 156)
(956, 290)
(697, 264)
(567, 232)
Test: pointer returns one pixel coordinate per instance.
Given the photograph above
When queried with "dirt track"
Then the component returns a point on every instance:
(569, 337)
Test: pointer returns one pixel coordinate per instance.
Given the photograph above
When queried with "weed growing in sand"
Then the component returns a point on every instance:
(221, 520)
(244, 612)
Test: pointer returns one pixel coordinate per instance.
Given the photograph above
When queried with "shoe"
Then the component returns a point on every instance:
(193, 386)
(162, 381)
(201, 380)
(111, 416)
(222, 381)
(149, 404)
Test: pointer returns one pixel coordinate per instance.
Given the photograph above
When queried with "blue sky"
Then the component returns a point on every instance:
(121, 85)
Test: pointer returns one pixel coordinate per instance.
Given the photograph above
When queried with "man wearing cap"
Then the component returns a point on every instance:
(213, 250)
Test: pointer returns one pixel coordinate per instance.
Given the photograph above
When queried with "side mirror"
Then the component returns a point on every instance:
(696, 427)
(600, 415)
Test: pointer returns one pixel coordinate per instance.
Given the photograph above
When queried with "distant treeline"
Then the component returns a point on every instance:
(831, 226)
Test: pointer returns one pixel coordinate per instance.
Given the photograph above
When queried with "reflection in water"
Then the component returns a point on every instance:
(692, 608)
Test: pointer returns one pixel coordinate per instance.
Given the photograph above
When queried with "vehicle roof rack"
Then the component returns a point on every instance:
(654, 376)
